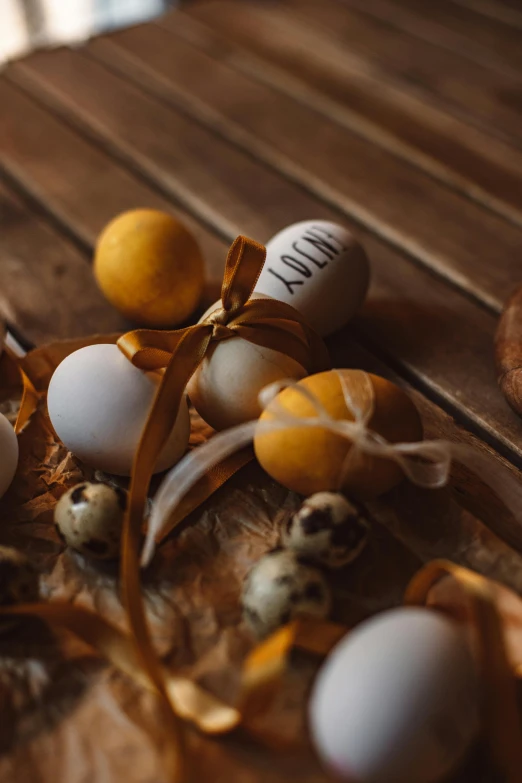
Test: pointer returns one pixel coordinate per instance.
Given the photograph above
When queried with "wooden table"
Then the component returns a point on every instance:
(399, 119)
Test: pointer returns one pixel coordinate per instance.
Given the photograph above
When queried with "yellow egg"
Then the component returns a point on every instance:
(149, 267)
(313, 459)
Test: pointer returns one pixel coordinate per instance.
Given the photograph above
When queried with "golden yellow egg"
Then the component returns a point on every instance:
(313, 459)
(149, 267)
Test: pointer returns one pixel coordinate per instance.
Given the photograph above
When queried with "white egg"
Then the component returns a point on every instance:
(225, 387)
(98, 404)
(8, 454)
(397, 699)
(320, 269)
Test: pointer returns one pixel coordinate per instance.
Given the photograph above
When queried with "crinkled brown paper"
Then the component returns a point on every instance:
(67, 716)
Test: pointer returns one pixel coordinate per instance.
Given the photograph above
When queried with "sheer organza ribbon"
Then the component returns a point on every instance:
(425, 463)
(177, 355)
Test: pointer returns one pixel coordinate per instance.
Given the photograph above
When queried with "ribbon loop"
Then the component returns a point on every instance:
(179, 353)
(242, 268)
(151, 349)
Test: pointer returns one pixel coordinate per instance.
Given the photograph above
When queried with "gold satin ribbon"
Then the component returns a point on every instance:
(11, 369)
(265, 322)
(267, 664)
(501, 713)
(272, 324)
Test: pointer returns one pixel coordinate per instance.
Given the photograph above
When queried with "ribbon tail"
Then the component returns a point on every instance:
(29, 403)
(212, 461)
(187, 698)
(189, 352)
(191, 469)
(266, 665)
(206, 486)
(12, 367)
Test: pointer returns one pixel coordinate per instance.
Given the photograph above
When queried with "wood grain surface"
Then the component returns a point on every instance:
(491, 41)
(440, 365)
(446, 231)
(150, 116)
(304, 61)
(473, 90)
(47, 289)
(507, 11)
(403, 121)
(82, 186)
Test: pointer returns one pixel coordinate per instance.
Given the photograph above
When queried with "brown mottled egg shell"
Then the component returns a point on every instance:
(89, 518)
(19, 581)
(281, 587)
(327, 528)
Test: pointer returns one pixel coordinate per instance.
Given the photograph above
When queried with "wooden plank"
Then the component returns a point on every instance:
(436, 225)
(208, 176)
(82, 186)
(48, 291)
(507, 11)
(471, 91)
(276, 48)
(461, 29)
(452, 362)
(470, 492)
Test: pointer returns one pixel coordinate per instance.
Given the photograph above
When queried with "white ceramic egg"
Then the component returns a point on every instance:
(8, 454)
(224, 389)
(320, 269)
(98, 403)
(397, 699)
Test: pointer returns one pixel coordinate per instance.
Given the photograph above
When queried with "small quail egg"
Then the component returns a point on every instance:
(89, 518)
(328, 529)
(19, 582)
(281, 587)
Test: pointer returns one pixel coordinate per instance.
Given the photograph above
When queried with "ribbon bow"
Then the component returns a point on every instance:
(183, 700)
(426, 463)
(265, 322)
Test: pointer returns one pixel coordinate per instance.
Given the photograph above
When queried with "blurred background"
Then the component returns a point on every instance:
(29, 24)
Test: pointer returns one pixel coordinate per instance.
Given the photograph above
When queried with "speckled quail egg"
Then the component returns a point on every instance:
(89, 518)
(328, 529)
(281, 587)
(19, 581)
